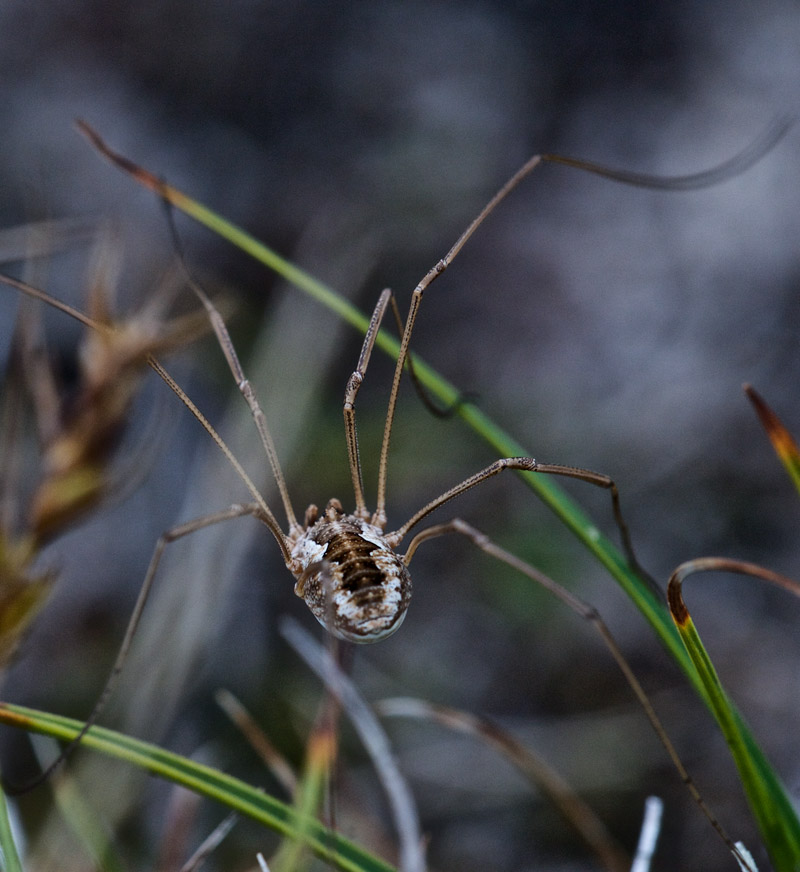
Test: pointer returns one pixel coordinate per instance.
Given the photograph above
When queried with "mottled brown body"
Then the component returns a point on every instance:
(354, 584)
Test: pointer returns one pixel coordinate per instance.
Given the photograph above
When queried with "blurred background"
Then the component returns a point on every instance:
(602, 326)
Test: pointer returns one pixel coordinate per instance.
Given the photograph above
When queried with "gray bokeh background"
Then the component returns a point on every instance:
(603, 326)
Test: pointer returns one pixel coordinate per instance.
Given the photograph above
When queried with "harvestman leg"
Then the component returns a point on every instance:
(522, 464)
(265, 513)
(588, 613)
(525, 464)
(354, 384)
(248, 392)
(379, 517)
(193, 526)
(349, 408)
(529, 464)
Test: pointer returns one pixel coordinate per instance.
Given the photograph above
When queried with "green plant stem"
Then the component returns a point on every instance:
(216, 785)
(10, 856)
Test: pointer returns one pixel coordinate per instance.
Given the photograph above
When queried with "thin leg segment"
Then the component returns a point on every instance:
(249, 395)
(235, 511)
(600, 480)
(351, 391)
(590, 614)
(528, 464)
(521, 463)
(265, 512)
(349, 409)
(416, 299)
(235, 366)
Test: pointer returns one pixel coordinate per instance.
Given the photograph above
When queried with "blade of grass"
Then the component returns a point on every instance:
(769, 802)
(9, 861)
(82, 819)
(782, 440)
(309, 793)
(209, 782)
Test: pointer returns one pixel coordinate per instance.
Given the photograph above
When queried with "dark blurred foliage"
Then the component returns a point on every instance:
(605, 327)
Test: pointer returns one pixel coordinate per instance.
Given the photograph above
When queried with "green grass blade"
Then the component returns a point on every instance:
(82, 819)
(782, 440)
(231, 792)
(9, 859)
(768, 799)
(769, 802)
(310, 792)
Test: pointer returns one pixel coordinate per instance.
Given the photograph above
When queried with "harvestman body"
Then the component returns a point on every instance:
(348, 575)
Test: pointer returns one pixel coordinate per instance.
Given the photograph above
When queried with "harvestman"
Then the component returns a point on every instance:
(346, 566)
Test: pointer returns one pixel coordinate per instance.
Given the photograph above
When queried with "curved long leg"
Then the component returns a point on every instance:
(349, 408)
(524, 464)
(264, 513)
(588, 613)
(607, 483)
(242, 382)
(234, 511)
(738, 163)
(354, 384)
(529, 464)
(416, 299)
